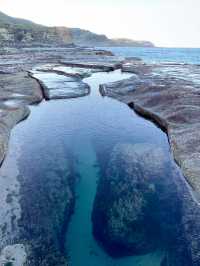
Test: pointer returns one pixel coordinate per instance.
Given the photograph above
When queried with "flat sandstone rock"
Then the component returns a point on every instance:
(169, 97)
(57, 86)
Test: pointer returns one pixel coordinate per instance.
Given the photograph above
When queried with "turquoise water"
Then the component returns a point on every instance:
(82, 128)
(81, 246)
(157, 55)
(113, 127)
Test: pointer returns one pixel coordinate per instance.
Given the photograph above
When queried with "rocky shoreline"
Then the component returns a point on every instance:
(19, 89)
(28, 235)
(164, 93)
(169, 96)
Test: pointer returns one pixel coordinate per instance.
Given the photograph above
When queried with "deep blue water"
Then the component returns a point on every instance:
(85, 127)
(155, 55)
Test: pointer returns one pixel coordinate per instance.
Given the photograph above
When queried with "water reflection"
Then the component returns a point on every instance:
(72, 141)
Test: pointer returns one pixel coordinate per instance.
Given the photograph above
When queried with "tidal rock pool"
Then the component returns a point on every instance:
(95, 184)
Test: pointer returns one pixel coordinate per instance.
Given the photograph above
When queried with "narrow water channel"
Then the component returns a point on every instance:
(110, 123)
(62, 134)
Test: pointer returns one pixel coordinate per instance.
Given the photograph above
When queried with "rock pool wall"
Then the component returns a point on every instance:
(168, 95)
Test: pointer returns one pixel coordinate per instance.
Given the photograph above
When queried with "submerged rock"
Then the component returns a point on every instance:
(133, 212)
(13, 255)
(47, 197)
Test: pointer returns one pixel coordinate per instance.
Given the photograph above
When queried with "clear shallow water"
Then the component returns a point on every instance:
(158, 55)
(80, 127)
(113, 127)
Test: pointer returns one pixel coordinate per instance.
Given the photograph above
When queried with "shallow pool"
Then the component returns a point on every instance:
(76, 133)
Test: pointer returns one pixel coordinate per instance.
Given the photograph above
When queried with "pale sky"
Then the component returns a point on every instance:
(174, 23)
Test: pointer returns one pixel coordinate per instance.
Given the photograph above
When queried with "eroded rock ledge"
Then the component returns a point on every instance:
(18, 89)
(170, 96)
(17, 92)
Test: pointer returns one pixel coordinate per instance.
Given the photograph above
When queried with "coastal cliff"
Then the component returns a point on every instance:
(16, 32)
(88, 38)
(20, 32)
(154, 92)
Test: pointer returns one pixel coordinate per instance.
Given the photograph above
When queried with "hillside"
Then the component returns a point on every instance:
(14, 32)
(6, 20)
(131, 43)
(21, 32)
(88, 38)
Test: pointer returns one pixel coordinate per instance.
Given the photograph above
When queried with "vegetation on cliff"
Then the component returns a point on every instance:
(15, 32)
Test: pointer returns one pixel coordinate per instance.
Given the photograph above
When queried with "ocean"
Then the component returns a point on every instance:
(159, 55)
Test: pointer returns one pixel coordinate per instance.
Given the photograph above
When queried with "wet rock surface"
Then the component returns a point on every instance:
(10, 115)
(57, 86)
(168, 95)
(104, 65)
(76, 72)
(18, 89)
(65, 80)
(128, 196)
(15, 60)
